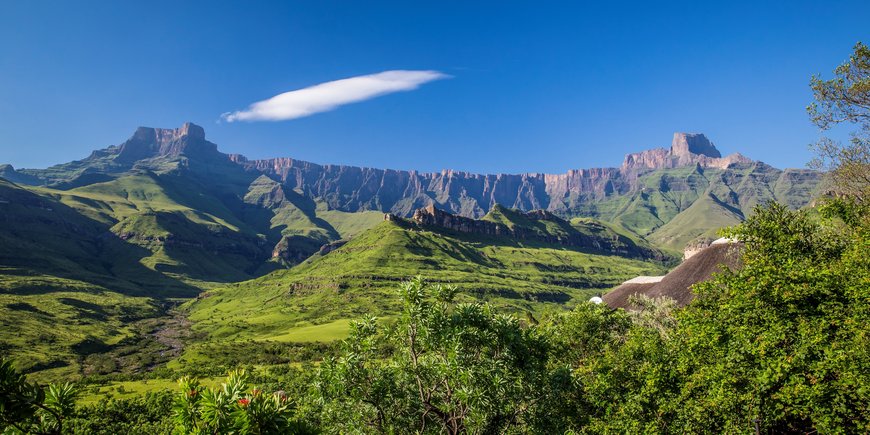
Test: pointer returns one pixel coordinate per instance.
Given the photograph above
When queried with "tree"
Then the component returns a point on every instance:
(445, 367)
(782, 344)
(611, 369)
(150, 413)
(26, 407)
(845, 99)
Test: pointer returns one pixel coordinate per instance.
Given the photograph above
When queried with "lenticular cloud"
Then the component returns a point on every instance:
(330, 95)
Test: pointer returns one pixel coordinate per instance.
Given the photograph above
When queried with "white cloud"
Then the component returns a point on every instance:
(330, 95)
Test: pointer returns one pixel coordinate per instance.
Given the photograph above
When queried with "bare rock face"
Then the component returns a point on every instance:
(649, 159)
(687, 149)
(147, 142)
(430, 216)
(471, 195)
(693, 143)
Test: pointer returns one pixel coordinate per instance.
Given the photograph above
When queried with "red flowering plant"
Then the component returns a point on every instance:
(230, 408)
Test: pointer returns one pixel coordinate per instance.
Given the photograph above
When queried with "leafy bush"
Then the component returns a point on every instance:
(444, 367)
(233, 408)
(782, 343)
(150, 413)
(27, 408)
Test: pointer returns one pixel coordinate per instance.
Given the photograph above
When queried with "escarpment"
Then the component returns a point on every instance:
(536, 226)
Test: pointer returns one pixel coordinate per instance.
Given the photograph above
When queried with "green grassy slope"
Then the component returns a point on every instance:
(179, 220)
(516, 219)
(155, 213)
(662, 195)
(596, 235)
(52, 325)
(42, 236)
(347, 224)
(703, 219)
(68, 287)
(81, 268)
(674, 206)
(314, 300)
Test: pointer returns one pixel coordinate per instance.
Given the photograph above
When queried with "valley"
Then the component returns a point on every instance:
(457, 218)
(97, 253)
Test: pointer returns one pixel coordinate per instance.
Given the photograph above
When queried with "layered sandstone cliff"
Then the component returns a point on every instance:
(687, 149)
(147, 142)
(353, 188)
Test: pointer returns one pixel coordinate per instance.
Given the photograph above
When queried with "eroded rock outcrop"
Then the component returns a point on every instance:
(431, 216)
(687, 149)
(560, 233)
(147, 142)
(351, 188)
(685, 144)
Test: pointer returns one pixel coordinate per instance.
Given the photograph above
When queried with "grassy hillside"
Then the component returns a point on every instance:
(586, 234)
(674, 206)
(702, 219)
(85, 273)
(90, 262)
(69, 287)
(178, 220)
(53, 324)
(42, 236)
(314, 300)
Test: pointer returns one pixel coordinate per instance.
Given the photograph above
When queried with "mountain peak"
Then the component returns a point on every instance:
(150, 142)
(693, 143)
(687, 149)
(150, 134)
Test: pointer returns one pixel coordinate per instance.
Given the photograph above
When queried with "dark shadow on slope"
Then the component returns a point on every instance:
(43, 236)
(221, 187)
(507, 241)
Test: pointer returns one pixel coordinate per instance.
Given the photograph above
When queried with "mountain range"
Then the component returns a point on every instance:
(283, 250)
(648, 191)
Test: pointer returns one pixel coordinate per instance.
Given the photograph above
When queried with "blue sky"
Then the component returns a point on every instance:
(532, 86)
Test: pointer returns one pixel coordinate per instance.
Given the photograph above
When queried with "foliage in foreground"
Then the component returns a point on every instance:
(845, 100)
(27, 408)
(444, 367)
(780, 345)
(232, 408)
(784, 342)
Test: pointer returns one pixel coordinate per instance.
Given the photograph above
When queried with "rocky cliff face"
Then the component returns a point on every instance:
(687, 149)
(647, 191)
(146, 143)
(352, 188)
(686, 144)
(566, 235)
(432, 217)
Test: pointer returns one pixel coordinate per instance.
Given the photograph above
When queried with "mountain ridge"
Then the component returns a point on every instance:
(189, 140)
(165, 214)
(538, 226)
(643, 194)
